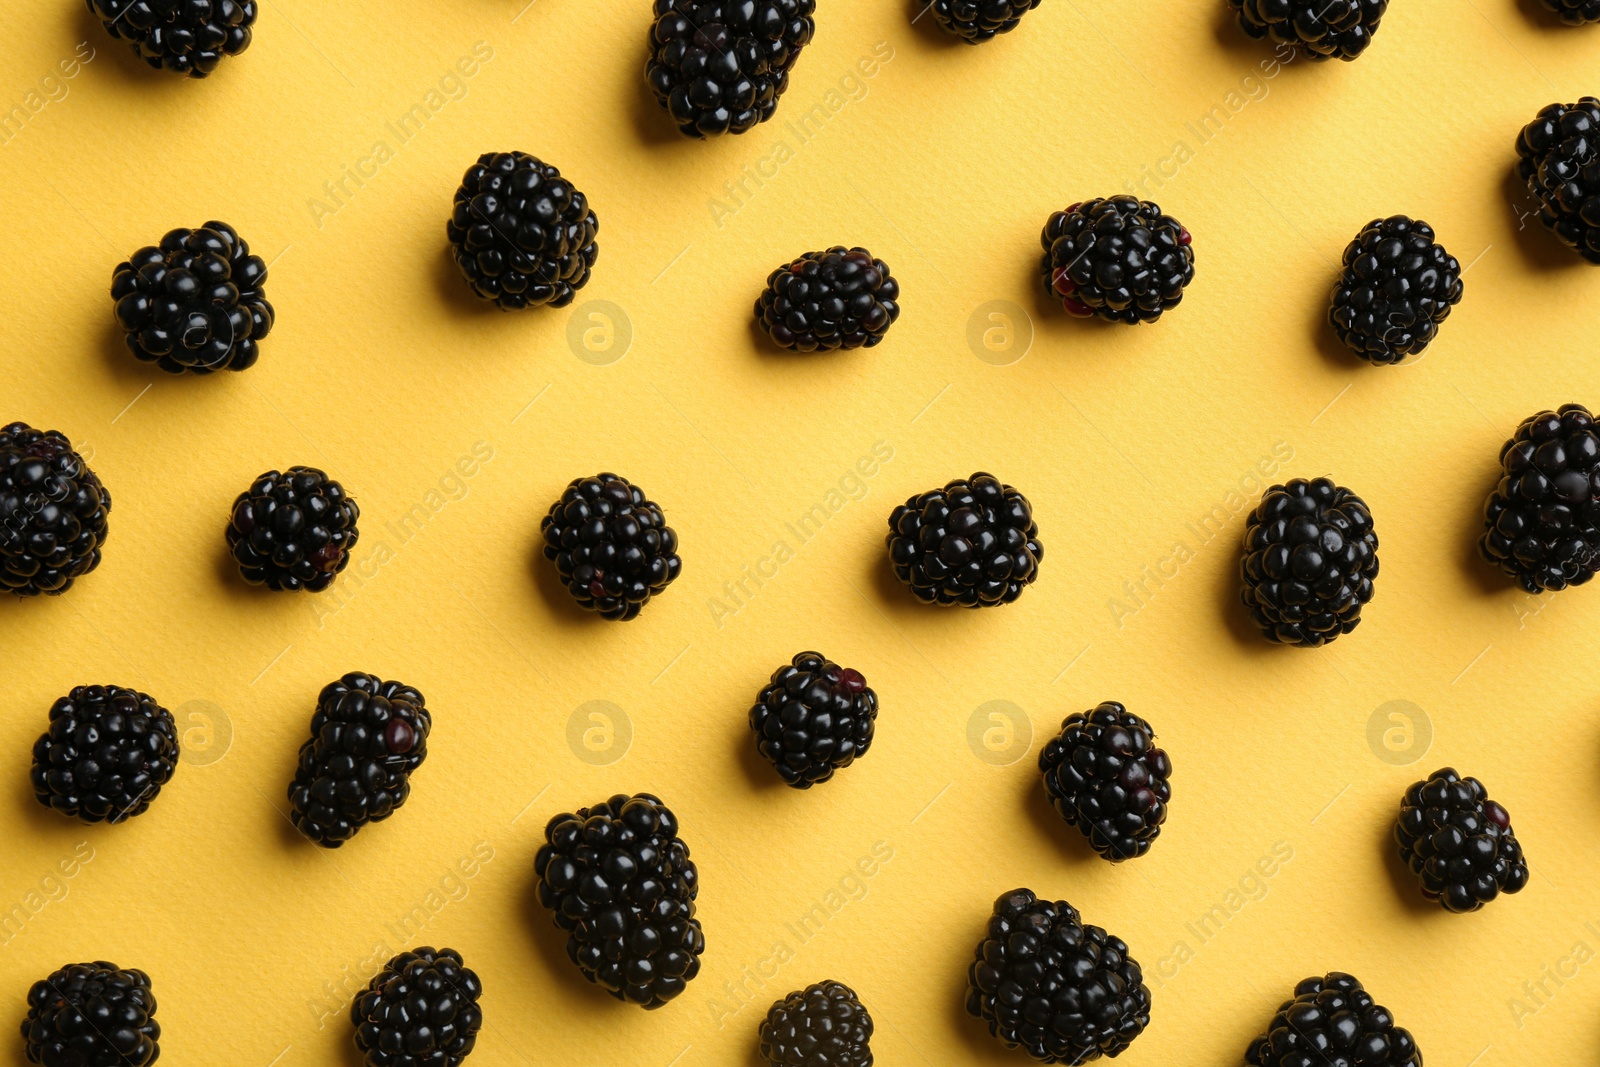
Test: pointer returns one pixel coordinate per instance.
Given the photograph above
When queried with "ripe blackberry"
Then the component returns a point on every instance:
(1119, 259)
(92, 1015)
(1333, 1022)
(976, 21)
(618, 879)
(1459, 842)
(1061, 991)
(183, 36)
(612, 547)
(53, 512)
(1542, 522)
(293, 530)
(1105, 775)
(195, 302)
(106, 755)
(1575, 12)
(1397, 286)
(813, 718)
(1558, 158)
(1310, 558)
(421, 1010)
(973, 543)
(367, 736)
(719, 66)
(523, 235)
(822, 1025)
(841, 298)
(1317, 29)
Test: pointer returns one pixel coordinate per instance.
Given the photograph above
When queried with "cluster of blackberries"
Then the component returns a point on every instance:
(53, 512)
(1458, 842)
(1333, 1022)
(106, 755)
(1397, 286)
(183, 36)
(1104, 774)
(815, 717)
(420, 1010)
(1558, 159)
(840, 298)
(719, 66)
(972, 544)
(1316, 29)
(1119, 259)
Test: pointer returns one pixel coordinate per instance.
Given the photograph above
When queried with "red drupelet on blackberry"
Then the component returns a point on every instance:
(106, 755)
(421, 1010)
(1558, 159)
(1310, 558)
(53, 513)
(92, 1015)
(612, 547)
(813, 718)
(1105, 775)
(977, 21)
(840, 298)
(293, 530)
(1542, 521)
(1119, 259)
(822, 1025)
(1333, 1022)
(972, 544)
(183, 36)
(1397, 286)
(1317, 29)
(1459, 842)
(719, 66)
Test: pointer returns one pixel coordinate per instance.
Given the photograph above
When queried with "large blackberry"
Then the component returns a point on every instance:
(106, 755)
(1542, 522)
(1062, 991)
(183, 36)
(822, 1025)
(1105, 775)
(1333, 1022)
(618, 879)
(1459, 842)
(1558, 158)
(523, 235)
(293, 530)
(92, 1015)
(1575, 12)
(719, 66)
(53, 512)
(195, 302)
(1397, 286)
(813, 718)
(421, 1010)
(367, 736)
(841, 298)
(1119, 259)
(1310, 557)
(976, 21)
(1317, 29)
(612, 547)
(973, 543)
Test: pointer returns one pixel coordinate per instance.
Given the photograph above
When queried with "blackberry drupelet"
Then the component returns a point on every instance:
(523, 235)
(53, 512)
(840, 298)
(1062, 991)
(813, 718)
(1310, 558)
(618, 879)
(293, 530)
(1542, 522)
(719, 66)
(1558, 158)
(976, 21)
(1119, 259)
(92, 1015)
(1333, 1022)
(1459, 842)
(1575, 12)
(1317, 29)
(367, 736)
(195, 302)
(106, 755)
(184, 36)
(1105, 775)
(973, 543)
(822, 1025)
(612, 547)
(1397, 286)
(421, 1010)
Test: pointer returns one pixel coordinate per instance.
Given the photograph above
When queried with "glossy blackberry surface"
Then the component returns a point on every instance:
(1104, 775)
(972, 543)
(293, 530)
(1310, 558)
(813, 718)
(54, 513)
(1541, 523)
(611, 545)
(1119, 259)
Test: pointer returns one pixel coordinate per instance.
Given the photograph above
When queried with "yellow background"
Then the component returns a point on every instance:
(945, 162)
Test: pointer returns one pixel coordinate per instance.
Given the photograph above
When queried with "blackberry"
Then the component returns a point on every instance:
(106, 755)
(183, 36)
(1119, 259)
(973, 543)
(1333, 1022)
(1061, 991)
(822, 1025)
(195, 302)
(367, 736)
(523, 235)
(618, 879)
(1542, 522)
(841, 298)
(1310, 558)
(92, 1015)
(421, 1010)
(1317, 29)
(1105, 775)
(813, 718)
(1575, 12)
(976, 21)
(293, 530)
(1558, 158)
(1459, 842)
(719, 66)
(612, 547)
(1398, 285)
(53, 512)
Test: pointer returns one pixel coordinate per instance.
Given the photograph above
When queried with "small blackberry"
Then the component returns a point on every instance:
(1310, 558)
(841, 298)
(106, 755)
(1459, 842)
(92, 1015)
(618, 879)
(976, 21)
(1061, 991)
(183, 36)
(813, 718)
(421, 1010)
(1558, 158)
(1119, 259)
(1542, 522)
(1317, 29)
(822, 1025)
(1575, 12)
(612, 547)
(367, 736)
(719, 66)
(523, 235)
(293, 530)
(973, 543)
(53, 512)
(195, 302)
(1105, 775)
(1333, 1022)
(1397, 286)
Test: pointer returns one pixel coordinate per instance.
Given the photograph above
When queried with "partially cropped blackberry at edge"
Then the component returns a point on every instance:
(822, 1025)
(293, 530)
(719, 66)
(105, 755)
(1397, 286)
(1333, 1022)
(971, 544)
(1317, 29)
(1558, 159)
(813, 718)
(1119, 259)
(53, 513)
(838, 298)
(188, 37)
(611, 545)
(1575, 12)
(1104, 775)
(1458, 842)
(92, 1015)
(977, 21)
(421, 1010)
(1542, 521)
